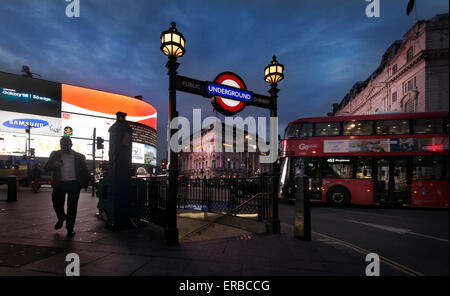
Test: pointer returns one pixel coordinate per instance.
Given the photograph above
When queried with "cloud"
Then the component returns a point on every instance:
(326, 46)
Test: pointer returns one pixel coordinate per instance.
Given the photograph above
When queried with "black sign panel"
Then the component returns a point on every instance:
(190, 85)
(261, 101)
(29, 95)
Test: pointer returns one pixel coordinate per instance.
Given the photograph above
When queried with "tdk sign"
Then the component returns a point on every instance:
(25, 123)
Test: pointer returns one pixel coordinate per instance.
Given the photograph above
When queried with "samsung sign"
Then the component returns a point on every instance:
(228, 92)
(25, 123)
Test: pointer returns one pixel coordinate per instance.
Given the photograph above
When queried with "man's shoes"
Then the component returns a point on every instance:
(59, 224)
(70, 232)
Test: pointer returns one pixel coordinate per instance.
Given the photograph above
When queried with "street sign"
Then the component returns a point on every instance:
(229, 101)
(190, 85)
(228, 92)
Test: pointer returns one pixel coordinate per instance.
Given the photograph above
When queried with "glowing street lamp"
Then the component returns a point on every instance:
(172, 42)
(273, 73)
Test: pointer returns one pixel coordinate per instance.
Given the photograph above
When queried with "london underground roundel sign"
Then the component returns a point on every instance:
(228, 100)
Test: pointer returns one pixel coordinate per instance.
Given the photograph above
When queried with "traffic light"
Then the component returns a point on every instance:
(163, 164)
(100, 143)
(32, 153)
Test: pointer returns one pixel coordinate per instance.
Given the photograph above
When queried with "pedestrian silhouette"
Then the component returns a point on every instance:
(69, 175)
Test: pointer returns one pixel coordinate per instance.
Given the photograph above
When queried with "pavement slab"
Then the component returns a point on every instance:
(230, 247)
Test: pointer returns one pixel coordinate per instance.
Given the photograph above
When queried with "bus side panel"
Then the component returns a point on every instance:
(361, 190)
(429, 193)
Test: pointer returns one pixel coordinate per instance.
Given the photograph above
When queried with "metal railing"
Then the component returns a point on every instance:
(148, 200)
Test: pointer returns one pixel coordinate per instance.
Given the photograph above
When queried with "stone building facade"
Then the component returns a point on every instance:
(211, 164)
(412, 77)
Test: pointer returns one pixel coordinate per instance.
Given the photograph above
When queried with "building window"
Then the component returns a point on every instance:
(409, 54)
(409, 106)
(394, 69)
(409, 85)
(394, 96)
(214, 163)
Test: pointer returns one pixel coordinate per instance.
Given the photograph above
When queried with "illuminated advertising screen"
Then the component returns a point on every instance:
(83, 109)
(15, 122)
(52, 110)
(30, 96)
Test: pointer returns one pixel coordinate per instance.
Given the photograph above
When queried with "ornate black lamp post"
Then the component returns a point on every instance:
(172, 45)
(273, 73)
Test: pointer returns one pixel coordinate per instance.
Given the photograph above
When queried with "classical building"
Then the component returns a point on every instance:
(412, 76)
(211, 164)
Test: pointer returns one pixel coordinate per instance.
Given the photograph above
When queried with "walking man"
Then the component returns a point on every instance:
(69, 175)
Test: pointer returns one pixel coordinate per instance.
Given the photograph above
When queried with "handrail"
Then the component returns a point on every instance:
(223, 215)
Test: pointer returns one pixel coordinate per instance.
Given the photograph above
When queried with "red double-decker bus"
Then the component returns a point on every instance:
(390, 158)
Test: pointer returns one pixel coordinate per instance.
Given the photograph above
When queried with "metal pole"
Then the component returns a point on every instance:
(275, 170)
(171, 231)
(93, 162)
(29, 156)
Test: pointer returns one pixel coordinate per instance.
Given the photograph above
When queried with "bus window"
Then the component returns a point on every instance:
(390, 127)
(301, 130)
(428, 125)
(293, 131)
(427, 167)
(327, 129)
(364, 168)
(358, 128)
(338, 168)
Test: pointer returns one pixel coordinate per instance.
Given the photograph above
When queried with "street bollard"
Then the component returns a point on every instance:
(12, 188)
(302, 218)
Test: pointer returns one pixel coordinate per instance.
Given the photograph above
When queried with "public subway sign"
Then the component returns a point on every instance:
(228, 92)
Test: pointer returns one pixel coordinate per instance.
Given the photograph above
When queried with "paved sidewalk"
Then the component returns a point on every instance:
(30, 246)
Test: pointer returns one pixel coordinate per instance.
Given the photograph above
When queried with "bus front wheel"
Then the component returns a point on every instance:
(338, 196)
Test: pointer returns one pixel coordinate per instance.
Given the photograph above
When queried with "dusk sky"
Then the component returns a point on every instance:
(325, 46)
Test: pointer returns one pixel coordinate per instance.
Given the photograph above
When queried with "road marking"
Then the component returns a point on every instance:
(429, 236)
(369, 213)
(332, 240)
(399, 230)
(385, 260)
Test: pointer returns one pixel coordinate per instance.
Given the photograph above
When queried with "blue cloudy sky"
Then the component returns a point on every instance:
(325, 45)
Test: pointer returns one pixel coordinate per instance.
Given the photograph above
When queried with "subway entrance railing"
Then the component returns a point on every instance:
(242, 197)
